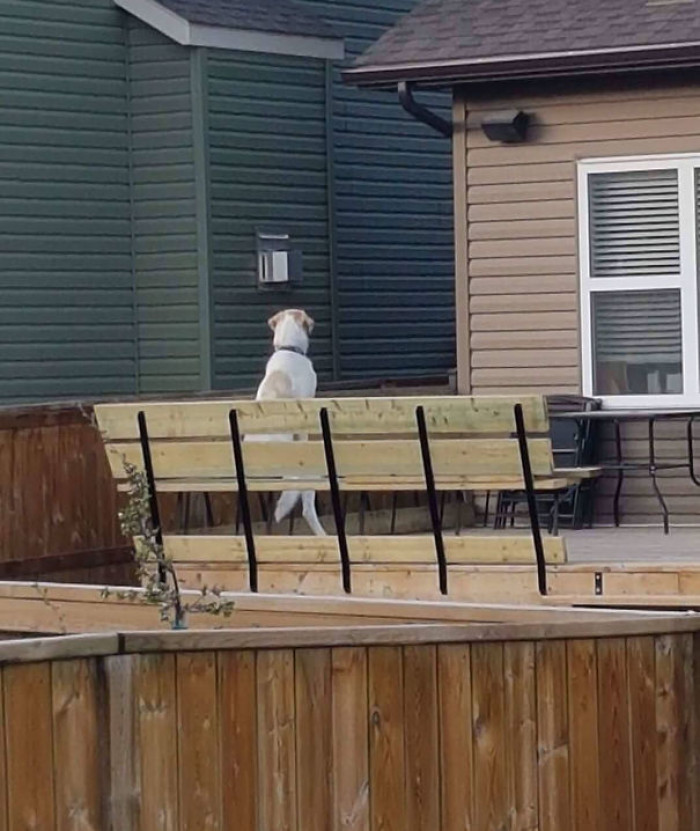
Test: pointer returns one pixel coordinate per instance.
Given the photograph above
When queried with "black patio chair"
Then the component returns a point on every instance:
(574, 445)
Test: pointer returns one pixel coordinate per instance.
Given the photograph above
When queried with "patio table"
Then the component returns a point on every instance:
(650, 465)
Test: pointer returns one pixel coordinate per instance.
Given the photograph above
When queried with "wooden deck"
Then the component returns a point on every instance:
(631, 544)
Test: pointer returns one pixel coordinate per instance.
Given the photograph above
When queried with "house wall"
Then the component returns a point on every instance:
(267, 167)
(66, 312)
(392, 199)
(516, 240)
(164, 210)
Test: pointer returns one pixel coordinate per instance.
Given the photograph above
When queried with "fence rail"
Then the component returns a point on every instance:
(304, 730)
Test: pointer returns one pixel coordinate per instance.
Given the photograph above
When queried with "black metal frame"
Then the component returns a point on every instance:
(152, 493)
(243, 502)
(531, 499)
(336, 500)
(435, 515)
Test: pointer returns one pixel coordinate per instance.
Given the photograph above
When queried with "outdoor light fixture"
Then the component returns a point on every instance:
(279, 265)
(508, 127)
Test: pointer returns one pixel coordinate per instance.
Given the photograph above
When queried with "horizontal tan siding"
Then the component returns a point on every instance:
(521, 286)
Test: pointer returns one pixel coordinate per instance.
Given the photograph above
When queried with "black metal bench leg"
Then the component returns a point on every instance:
(243, 502)
(531, 500)
(432, 498)
(152, 493)
(336, 500)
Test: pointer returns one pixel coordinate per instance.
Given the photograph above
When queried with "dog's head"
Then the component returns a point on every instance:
(292, 327)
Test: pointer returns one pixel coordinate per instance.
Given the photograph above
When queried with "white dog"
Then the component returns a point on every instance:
(290, 374)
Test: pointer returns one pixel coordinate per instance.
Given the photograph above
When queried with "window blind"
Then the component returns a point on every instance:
(638, 326)
(634, 224)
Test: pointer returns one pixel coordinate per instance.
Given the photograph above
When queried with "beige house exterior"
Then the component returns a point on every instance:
(517, 219)
(577, 267)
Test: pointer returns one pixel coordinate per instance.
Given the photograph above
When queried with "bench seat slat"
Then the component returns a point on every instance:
(418, 549)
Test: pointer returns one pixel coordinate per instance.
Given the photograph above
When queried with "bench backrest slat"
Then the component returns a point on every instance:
(469, 416)
(458, 457)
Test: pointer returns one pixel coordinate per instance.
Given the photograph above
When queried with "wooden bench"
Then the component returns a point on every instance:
(438, 444)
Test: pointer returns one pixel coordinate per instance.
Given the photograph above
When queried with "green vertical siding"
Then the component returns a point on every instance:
(267, 146)
(164, 220)
(393, 197)
(66, 315)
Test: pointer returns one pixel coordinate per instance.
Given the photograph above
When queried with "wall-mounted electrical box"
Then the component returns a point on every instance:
(279, 264)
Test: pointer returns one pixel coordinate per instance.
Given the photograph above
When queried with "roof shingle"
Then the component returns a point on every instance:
(471, 31)
(276, 16)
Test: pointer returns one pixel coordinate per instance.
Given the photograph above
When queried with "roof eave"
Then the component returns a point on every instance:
(455, 73)
(185, 33)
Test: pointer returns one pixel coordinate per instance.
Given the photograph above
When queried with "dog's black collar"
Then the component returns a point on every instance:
(291, 349)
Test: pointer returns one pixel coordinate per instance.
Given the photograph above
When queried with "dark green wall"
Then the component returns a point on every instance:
(164, 211)
(66, 313)
(267, 148)
(393, 214)
(134, 173)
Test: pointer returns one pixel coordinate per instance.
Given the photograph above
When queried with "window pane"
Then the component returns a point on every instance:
(637, 343)
(634, 228)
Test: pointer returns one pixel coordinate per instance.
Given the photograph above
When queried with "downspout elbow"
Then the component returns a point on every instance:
(421, 113)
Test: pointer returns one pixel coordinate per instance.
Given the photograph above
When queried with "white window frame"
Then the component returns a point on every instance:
(686, 281)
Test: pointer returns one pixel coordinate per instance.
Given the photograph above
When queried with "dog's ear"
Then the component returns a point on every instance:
(305, 321)
(274, 321)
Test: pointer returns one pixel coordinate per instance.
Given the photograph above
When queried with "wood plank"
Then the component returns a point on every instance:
(614, 746)
(76, 745)
(583, 728)
(641, 687)
(492, 808)
(421, 737)
(29, 747)
(695, 734)
(269, 460)
(521, 729)
(348, 416)
(552, 736)
(668, 717)
(350, 769)
(277, 774)
(237, 715)
(199, 771)
(686, 697)
(386, 741)
(124, 762)
(3, 759)
(381, 549)
(157, 737)
(382, 483)
(314, 738)
(456, 743)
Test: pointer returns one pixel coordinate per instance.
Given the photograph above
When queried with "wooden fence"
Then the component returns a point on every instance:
(396, 729)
